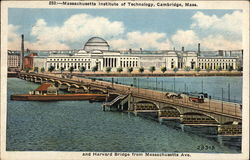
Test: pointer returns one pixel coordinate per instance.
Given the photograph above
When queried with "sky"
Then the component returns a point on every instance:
(149, 29)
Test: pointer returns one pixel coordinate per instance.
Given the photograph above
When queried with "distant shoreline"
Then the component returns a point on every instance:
(232, 74)
(157, 74)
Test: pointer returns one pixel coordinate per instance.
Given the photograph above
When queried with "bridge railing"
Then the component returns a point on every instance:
(209, 105)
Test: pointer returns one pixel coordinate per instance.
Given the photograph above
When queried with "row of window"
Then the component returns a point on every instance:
(220, 60)
(213, 65)
(66, 66)
(64, 59)
(129, 63)
(129, 58)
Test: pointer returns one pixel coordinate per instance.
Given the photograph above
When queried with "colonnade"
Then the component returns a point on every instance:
(110, 62)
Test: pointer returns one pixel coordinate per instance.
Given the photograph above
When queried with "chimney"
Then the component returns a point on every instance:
(22, 52)
(199, 49)
(220, 53)
(141, 50)
(182, 49)
(130, 50)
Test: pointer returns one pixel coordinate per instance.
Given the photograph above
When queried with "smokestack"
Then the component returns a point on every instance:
(130, 50)
(199, 48)
(182, 49)
(22, 52)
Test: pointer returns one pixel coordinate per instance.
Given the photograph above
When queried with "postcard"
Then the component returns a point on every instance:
(124, 80)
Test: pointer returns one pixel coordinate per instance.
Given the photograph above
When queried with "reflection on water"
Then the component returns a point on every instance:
(83, 126)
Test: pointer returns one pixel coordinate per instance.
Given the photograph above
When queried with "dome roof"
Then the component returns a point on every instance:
(96, 39)
(96, 43)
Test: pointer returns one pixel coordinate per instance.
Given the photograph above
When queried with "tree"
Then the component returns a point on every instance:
(152, 69)
(239, 68)
(217, 68)
(175, 69)
(71, 69)
(51, 69)
(163, 69)
(230, 68)
(187, 68)
(94, 69)
(82, 69)
(42, 69)
(130, 69)
(108, 69)
(197, 69)
(36, 69)
(208, 69)
(119, 69)
(141, 70)
(27, 70)
(62, 69)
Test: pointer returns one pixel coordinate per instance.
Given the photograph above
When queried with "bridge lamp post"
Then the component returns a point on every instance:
(209, 102)
(162, 86)
(112, 81)
(174, 83)
(138, 84)
(222, 99)
(155, 83)
(201, 86)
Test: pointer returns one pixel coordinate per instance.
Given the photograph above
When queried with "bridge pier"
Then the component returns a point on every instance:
(233, 129)
(197, 119)
(135, 113)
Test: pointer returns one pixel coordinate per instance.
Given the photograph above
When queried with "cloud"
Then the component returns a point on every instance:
(14, 40)
(146, 40)
(185, 38)
(212, 31)
(228, 24)
(218, 42)
(77, 28)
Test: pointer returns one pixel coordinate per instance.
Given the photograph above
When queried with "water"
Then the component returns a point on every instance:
(232, 86)
(83, 126)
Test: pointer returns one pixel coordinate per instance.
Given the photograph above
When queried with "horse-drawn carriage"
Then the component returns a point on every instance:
(198, 98)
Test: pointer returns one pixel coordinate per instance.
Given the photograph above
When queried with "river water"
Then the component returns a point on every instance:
(232, 86)
(83, 126)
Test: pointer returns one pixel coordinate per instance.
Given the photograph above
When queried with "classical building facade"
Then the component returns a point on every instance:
(96, 53)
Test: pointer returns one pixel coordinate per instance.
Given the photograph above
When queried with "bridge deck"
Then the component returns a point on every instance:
(212, 106)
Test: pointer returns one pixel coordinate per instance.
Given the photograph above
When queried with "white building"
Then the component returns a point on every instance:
(40, 61)
(96, 53)
(13, 61)
(212, 62)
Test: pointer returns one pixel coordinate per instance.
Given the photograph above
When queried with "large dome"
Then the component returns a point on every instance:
(96, 43)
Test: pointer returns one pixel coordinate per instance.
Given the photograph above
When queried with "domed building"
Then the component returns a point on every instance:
(96, 43)
(96, 53)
